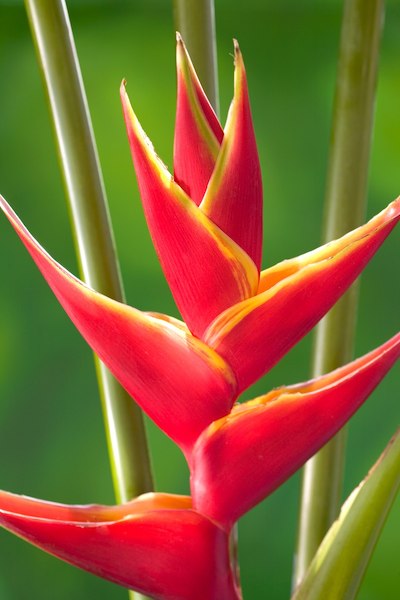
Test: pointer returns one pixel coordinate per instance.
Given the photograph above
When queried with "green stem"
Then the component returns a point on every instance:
(91, 226)
(344, 210)
(195, 21)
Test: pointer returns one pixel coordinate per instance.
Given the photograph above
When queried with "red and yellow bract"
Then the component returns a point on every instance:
(156, 544)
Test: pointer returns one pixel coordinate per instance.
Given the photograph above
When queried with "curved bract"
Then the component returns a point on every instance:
(156, 544)
(159, 363)
(266, 440)
(198, 133)
(255, 334)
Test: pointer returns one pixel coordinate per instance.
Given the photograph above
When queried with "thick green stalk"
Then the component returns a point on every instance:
(344, 210)
(195, 21)
(91, 226)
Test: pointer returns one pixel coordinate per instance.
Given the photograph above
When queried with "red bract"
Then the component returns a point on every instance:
(198, 133)
(264, 441)
(206, 224)
(156, 544)
(218, 169)
(154, 357)
(253, 335)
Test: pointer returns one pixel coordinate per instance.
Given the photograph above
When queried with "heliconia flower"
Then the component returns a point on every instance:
(206, 225)
(239, 322)
(264, 441)
(156, 544)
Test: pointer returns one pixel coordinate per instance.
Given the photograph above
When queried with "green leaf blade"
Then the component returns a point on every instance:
(342, 558)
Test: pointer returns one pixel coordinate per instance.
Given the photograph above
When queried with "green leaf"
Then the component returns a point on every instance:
(342, 558)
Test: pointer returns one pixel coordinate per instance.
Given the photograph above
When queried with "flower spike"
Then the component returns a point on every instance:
(158, 362)
(234, 197)
(155, 544)
(198, 133)
(266, 440)
(253, 335)
(206, 225)
(206, 270)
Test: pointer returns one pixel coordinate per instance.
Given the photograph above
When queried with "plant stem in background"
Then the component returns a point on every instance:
(344, 210)
(195, 21)
(91, 225)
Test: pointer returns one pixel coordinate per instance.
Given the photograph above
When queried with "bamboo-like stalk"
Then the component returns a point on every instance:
(344, 210)
(195, 21)
(52, 34)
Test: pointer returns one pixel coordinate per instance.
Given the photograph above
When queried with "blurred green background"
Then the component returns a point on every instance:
(51, 434)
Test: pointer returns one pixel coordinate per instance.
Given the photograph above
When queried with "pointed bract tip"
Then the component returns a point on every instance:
(238, 58)
(182, 55)
(395, 206)
(237, 52)
(122, 92)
